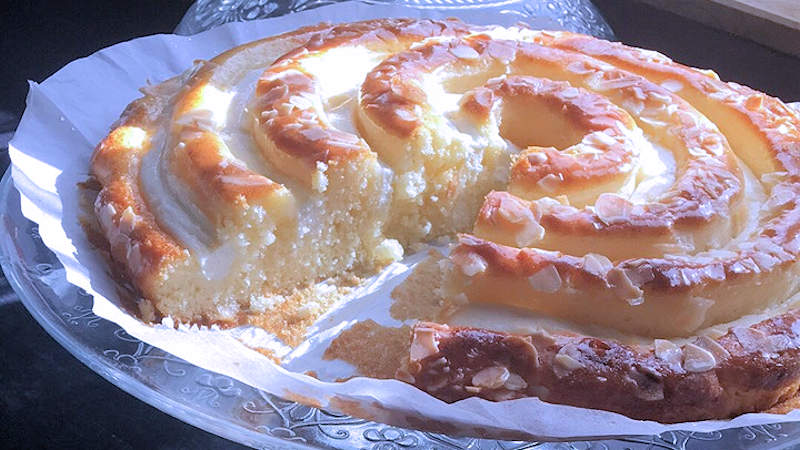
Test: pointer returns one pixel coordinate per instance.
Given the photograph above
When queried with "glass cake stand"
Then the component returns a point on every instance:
(574, 15)
(228, 408)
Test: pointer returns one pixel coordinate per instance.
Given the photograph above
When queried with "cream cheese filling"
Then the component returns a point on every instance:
(519, 321)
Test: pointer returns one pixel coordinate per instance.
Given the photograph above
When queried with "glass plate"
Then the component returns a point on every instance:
(236, 411)
(575, 15)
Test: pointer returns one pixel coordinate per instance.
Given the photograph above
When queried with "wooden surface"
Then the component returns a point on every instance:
(774, 23)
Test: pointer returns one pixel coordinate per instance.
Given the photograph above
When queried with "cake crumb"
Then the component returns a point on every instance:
(268, 353)
(289, 321)
(414, 299)
(375, 350)
(785, 405)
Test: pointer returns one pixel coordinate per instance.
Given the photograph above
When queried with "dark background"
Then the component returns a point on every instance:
(48, 398)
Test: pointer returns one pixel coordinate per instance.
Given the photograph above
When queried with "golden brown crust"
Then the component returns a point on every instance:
(608, 158)
(511, 262)
(749, 369)
(286, 93)
(138, 242)
(710, 185)
(685, 252)
(115, 164)
(660, 272)
(756, 111)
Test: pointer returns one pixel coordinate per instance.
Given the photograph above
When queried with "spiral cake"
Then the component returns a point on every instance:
(593, 183)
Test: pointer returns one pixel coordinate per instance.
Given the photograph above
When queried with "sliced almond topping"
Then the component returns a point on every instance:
(672, 85)
(537, 157)
(667, 351)
(719, 352)
(696, 359)
(471, 264)
(567, 362)
(285, 108)
(611, 208)
(773, 178)
(754, 102)
(515, 383)
(546, 279)
(564, 362)
(134, 257)
(750, 338)
(623, 287)
(716, 332)
(106, 216)
(425, 343)
(532, 349)
(550, 182)
(597, 264)
(570, 92)
(777, 342)
(465, 52)
(514, 211)
(491, 377)
(529, 234)
(481, 96)
(300, 101)
(128, 220)
(542, 336)
(601, 138)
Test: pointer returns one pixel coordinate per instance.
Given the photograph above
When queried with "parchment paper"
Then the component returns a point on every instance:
(71, 111)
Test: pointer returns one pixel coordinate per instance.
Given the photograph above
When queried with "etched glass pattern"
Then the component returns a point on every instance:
(574, 15)
(231, 409)
(234, 410)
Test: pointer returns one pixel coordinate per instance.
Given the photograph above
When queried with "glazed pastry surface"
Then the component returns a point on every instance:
(585, 182)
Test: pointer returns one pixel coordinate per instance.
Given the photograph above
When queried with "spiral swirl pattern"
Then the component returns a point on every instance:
(601, 184)
(704, 250)
(230, 188)
(665, 205)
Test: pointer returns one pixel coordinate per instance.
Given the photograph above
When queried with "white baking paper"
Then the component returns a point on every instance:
(71, 111)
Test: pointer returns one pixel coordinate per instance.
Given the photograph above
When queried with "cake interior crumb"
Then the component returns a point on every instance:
(374, 350)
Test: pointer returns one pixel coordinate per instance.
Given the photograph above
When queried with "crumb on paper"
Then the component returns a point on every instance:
(299, 398)
(356, 408)
(269, 354)
(375, 350)
(290, 320)
(414, 299)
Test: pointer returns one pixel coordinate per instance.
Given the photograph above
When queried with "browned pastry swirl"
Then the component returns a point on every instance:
(747, 369)
(601, 186)
(228, 188)
(675, 263)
